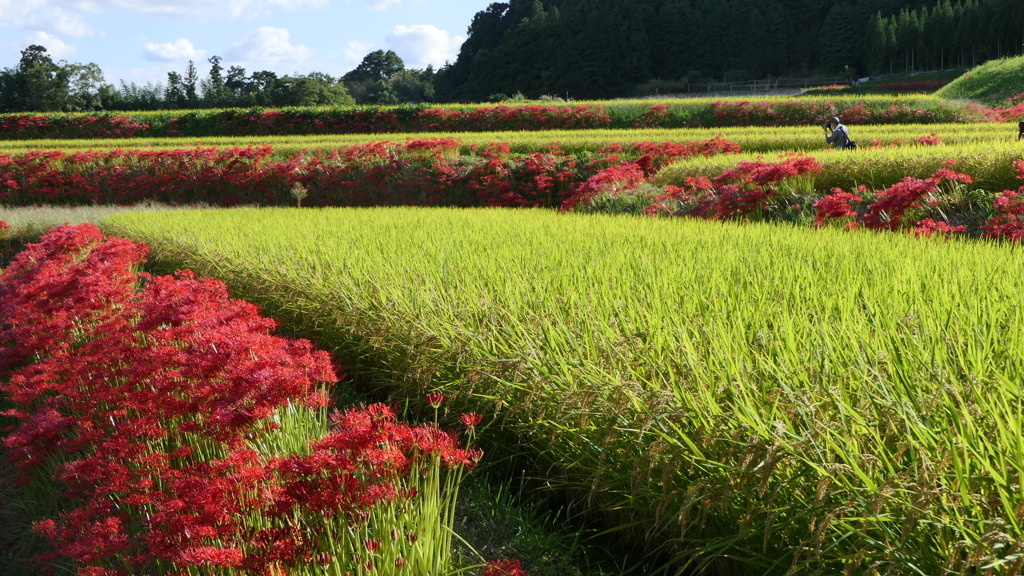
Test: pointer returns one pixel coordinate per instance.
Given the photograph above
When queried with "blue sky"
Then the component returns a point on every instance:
(142, 40)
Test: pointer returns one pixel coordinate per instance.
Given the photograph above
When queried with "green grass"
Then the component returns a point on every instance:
(31, 222)
(769, 397)
(990, 83)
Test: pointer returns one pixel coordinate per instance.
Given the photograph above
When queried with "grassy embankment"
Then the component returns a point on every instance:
(990, 83)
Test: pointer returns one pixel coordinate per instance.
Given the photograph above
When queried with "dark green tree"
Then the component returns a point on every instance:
(84, 81)
(174, 92)
(375, 66)
(214, 89)
(313, 89)
(414, 85)
(191, 84)
(878, 44)
(37, 84)
(266, 88)
(238, 87)
(842, 46)
(485, 33)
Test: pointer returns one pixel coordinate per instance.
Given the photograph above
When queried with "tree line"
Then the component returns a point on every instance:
(40, 84)
(609, 48)
(945, 35)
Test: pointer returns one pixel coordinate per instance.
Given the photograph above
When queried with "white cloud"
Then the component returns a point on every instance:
(55, 47)
(63, 16)
(268, 46)
(42, 16)
(356, 51)
(191, 9)
(381, 4)
(423, 44)
(179, 50)
(296, 4)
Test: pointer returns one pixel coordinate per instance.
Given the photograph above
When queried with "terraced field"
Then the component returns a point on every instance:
(675, 324)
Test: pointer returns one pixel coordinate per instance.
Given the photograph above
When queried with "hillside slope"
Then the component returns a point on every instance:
(992, 82)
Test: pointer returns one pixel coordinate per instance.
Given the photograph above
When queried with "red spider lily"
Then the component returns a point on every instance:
(1008, 224)
(503, 568)
(891, 205)
(471, 419)
(617, 177)
(435, 399)
(208, 555)
(139, 392)
(417, 172)
(616, 180)
(928, 226)
(654, 117)
(734, 194)
(836, 206)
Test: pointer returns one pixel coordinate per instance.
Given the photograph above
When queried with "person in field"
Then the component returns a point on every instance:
(1020, 129)
(840, 136)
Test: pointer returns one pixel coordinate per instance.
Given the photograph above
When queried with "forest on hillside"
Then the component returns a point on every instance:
(609, 48)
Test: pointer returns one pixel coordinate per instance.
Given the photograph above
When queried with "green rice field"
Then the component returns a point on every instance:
(745, 399)
(726, 398)
(752, 139)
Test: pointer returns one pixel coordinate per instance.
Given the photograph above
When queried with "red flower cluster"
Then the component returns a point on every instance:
(260, 122)
(501, 178)
(365, 121)
(737, 193)
(493, 118)
(219, 177)
(503, 568)
(656, 116)
(890, 208)
(811, 112)
(1012, 111)
(22, 127)
(418, 172)
(836, 206)
(142, 396)
(617, 175)
(929, 226)
(1008, 224)
(891, 205)
(615, 180)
